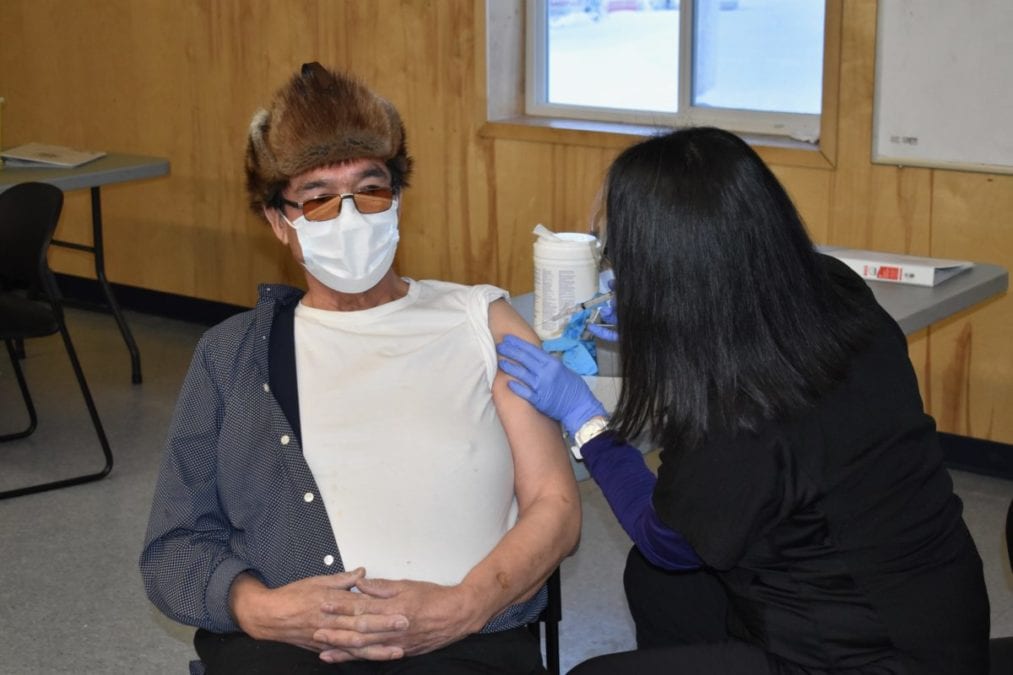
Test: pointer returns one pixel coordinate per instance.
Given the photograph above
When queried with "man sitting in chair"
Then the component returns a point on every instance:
(347, 478)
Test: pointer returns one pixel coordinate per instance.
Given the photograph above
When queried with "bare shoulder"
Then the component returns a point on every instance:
(504, 319)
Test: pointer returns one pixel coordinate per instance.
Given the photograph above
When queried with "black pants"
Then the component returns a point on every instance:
(682, 627)
(682, 621)
(512, 652)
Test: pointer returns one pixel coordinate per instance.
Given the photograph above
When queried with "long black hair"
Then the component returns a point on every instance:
(727, 317)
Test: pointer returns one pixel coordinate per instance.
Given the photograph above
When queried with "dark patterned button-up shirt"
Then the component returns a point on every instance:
(234, 493)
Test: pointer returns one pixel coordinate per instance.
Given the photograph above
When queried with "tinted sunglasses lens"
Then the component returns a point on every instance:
(374, 201)
(322, 208)
(327, 208)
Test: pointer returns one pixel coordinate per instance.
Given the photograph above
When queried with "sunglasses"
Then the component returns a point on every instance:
(327, 207)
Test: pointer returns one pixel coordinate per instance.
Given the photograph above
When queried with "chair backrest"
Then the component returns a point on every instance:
(29, 213)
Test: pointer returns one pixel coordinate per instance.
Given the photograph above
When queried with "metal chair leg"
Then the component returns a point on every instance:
(99, 431)
(92, 410)
(100, 273)
(33, 420)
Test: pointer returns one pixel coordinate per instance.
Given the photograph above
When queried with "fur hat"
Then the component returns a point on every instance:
(321, 117)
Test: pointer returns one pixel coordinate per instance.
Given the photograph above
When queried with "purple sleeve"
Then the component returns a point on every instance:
(628, 485)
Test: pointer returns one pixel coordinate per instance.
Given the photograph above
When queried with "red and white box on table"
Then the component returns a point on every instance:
(898, 268)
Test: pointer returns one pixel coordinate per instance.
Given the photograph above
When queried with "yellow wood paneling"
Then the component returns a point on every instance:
(971, 368)
(811, 191)
(878, 207)
(553, 185)
(181, 79)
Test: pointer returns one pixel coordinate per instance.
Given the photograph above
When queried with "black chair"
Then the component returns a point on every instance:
(30, 305)
(549, 620)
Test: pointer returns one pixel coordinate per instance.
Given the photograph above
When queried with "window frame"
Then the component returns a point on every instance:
(500, 56)
(801, 126)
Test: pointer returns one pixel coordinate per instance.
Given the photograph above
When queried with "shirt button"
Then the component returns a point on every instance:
(308, 497)
(267, 387)
(284, 439)
(328, 560)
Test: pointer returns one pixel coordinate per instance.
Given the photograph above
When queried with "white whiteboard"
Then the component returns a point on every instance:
(944, 84)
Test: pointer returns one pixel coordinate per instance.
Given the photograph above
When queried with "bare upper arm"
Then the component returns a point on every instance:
(541, 460)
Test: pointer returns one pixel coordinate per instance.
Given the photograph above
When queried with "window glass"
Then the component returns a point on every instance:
(750, 65)
(613, 54)
(759, 55)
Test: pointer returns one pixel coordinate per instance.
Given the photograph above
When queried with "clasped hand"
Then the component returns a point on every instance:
(434, 616)
(547, 384)
(296, 612)
(385, 620)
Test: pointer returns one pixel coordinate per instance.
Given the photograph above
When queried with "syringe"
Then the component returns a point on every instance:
(587, 304)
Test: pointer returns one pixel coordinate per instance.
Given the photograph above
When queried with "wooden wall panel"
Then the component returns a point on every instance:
(811, 190)
(181, 79)
(971, 368)
(554, 185)
(965, 371)
(878, 207)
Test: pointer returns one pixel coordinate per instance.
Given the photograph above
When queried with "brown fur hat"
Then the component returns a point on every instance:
(321, 117)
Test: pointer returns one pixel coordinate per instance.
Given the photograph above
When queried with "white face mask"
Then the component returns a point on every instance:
(350, 253)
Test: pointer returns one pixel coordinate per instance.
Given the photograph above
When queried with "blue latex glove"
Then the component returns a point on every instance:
(577, 355)
(543, 380)
(607, 314)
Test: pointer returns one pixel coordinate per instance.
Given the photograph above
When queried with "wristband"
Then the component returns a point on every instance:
(585, 433)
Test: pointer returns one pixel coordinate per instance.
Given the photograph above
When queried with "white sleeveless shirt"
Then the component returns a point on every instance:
(401, 433)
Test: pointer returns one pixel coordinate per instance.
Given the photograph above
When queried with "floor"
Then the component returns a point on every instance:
(72, 597)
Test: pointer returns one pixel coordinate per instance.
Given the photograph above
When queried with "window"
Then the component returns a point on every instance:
(752, 66)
